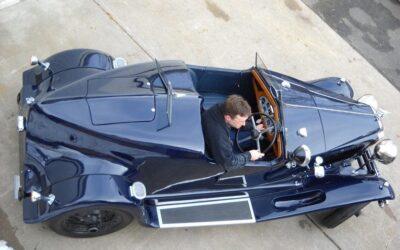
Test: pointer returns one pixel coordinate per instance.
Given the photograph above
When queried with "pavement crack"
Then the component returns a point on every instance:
(123, 29)
(324, 233)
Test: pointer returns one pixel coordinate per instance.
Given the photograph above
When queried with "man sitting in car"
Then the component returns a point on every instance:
(217, 122)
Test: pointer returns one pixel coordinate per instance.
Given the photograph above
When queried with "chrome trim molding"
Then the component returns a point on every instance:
(317, 93)
(162, 203)
(213, 191)
(17, 186)
(187, 181)
(327, 109)
(20, 123)
(244, 182)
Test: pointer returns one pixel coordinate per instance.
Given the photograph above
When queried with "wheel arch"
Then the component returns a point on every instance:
(91, 221)
(81, 192)
(80, 58)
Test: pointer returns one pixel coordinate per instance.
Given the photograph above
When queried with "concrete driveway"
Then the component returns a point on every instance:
(224, 33)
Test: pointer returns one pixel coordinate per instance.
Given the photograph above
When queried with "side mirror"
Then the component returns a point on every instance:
(302, 155)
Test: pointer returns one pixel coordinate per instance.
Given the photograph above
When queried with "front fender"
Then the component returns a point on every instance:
(322, 194)
(81, 191)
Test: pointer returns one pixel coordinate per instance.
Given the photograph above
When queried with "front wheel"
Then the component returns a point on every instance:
(91, 221)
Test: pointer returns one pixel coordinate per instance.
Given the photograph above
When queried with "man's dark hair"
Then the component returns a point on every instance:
(236, 105)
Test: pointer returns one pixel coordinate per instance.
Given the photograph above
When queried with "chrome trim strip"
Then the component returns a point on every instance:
(187, 181)
(20, 123)
(327, 109)
(244, 182)
(317, 93)
(208, 223)
(17, 185)
(246, 195)
(217, 191)
(252, 211)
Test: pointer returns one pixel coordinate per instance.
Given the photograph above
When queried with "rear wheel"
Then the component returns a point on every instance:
(91, 221)
(334, 217)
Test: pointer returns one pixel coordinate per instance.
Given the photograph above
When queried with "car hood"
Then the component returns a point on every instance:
(332, 122)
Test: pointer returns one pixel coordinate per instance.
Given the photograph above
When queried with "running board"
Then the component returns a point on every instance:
(202, 212)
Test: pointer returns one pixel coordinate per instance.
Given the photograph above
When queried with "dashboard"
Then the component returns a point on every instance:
(266, 104)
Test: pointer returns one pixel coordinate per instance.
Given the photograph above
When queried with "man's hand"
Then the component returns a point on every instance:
(255, 154)
(260, 127)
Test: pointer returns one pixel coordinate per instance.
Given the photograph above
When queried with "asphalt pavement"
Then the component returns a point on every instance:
(289, 36)
(370, 27)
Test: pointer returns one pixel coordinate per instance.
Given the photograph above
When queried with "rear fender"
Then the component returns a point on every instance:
(80, 58)
(65, 67)
(68, 60)
(82, 191)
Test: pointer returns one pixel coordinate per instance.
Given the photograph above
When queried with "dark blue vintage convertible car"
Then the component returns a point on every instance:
(102, 143)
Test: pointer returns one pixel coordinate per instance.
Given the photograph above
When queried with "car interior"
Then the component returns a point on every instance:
(214, 85)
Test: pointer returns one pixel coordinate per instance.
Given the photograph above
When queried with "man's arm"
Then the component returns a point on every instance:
(221, 150)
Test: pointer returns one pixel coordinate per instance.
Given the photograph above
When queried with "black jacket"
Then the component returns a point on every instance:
(218, 143)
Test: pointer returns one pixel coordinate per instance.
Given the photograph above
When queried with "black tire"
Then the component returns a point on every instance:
(18, 97)
(334, 217)
(91, 221)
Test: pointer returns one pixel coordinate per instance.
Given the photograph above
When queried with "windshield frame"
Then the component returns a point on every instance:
(168, 86)
(266, 74)
(275, 88)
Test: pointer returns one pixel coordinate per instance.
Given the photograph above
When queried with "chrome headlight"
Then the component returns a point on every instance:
(302, 155)
(385, 151)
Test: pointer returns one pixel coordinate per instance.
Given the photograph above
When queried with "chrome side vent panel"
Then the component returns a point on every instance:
(206, 213)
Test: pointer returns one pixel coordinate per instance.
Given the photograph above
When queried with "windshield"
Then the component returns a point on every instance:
(266, 74)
